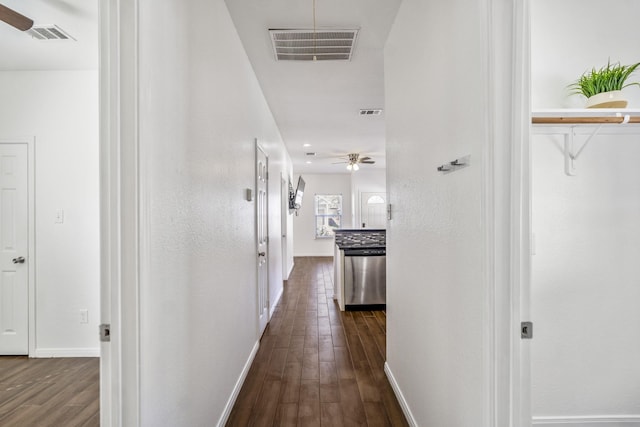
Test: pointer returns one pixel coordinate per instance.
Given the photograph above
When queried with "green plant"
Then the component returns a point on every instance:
(606, 79)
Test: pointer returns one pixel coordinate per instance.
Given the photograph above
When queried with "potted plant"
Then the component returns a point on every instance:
(603, 87)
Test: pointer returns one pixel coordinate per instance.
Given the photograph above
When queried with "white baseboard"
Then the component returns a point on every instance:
(403, 402)
(589, 421)
(236, 390)
(273, 306)
(66, 352)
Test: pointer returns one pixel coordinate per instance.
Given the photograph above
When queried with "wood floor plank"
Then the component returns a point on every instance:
(351, 402)
(325, 349)
(267, 405)
(286, 415)
(331, 414)
(367, 384)
(376, 414)
(344, 365)
(290, 392)
(329, 387)
(276, 364)
(310, 364)
(309, 413)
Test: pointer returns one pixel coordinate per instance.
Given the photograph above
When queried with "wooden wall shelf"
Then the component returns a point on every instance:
(591, 116)
(573, 123)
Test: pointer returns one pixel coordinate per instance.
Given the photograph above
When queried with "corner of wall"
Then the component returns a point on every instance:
(236, 389)
(403, 402)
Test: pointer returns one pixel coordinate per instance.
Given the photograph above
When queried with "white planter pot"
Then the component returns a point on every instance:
(613, 99)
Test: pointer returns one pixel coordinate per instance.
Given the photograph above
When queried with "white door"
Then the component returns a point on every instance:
(262, 240)
(284, 213)
(373, 210)
(14, 294)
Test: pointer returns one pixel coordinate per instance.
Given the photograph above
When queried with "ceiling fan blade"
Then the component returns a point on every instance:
(15, 19)
(368, 162)
(362, 159)
(337, 163)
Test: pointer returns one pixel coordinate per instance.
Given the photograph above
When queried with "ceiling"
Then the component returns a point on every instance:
(78, 18)
(318, 103)
(314, 103)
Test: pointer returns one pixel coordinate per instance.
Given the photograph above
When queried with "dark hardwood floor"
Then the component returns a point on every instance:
(49, 392)
(317, 366)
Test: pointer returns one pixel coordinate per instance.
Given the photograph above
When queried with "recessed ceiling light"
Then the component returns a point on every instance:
(308, 162)
(306, 145)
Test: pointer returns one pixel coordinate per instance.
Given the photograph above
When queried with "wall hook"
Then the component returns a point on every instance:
(455, 164)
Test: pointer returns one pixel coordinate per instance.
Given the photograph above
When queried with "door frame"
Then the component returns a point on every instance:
(506, 212)
(121, 218)
(30, 142)
(259, 149)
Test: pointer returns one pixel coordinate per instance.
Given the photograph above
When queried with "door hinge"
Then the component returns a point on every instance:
(526, 330)
(105, 332)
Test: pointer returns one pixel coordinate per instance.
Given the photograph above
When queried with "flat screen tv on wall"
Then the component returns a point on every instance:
(295, 201)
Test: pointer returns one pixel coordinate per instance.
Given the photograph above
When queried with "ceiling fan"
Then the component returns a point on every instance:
(15, 19)
(353, 159)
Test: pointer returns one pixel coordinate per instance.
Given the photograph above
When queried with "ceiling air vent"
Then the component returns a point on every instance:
(307, 45)
(371, 112)
(49, 32)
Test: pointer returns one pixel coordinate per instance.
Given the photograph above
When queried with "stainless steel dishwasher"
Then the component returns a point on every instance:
(365, 278)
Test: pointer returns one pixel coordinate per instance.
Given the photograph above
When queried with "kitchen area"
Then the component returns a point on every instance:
(343, 216)
(359, 263)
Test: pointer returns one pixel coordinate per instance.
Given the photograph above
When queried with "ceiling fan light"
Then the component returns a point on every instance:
(356, 167)
(349, 167)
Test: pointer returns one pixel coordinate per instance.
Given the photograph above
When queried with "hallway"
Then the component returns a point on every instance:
(318, 366)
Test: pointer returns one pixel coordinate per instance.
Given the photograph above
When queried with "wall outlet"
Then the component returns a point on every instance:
(84, 316)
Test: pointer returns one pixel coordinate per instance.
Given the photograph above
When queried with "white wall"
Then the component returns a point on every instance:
(200, 109)
(565, 44)
(585, 289)
(305, 243)
(365, 181)
(435, 276)
(60, 109)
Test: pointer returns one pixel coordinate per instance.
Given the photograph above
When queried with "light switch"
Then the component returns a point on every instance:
(59, 216)
(84, 316)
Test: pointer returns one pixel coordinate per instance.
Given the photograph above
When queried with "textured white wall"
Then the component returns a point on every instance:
(571, 37)
(305, 243)
(60, 109)
(434, 276)
(200, 109)
(585, 274)
(585, 289)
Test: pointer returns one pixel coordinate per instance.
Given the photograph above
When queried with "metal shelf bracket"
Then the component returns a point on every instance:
(569, 156)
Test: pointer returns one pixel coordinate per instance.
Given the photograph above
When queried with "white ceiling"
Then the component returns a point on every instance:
(79, 18)
(314, 103)
(318, 103)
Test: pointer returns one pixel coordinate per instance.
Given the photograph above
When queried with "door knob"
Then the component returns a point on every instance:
(19, 260)
(262, 253)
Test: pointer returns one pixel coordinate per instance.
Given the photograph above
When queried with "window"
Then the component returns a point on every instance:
(328, 214)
